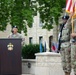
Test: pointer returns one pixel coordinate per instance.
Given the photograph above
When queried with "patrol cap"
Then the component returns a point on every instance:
(65, 17)
(15, 27)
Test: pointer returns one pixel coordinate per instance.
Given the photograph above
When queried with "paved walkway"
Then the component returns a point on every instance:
(27, 74)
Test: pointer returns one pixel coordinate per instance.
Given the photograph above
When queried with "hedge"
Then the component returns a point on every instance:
(28, 51)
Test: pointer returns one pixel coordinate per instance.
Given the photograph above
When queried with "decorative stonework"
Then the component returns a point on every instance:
(47, 63)
(44, 59)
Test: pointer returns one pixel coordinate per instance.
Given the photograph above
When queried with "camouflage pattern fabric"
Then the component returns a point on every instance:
(73, 56)
(73, 51)
(66, 47)
(66, 58)
(17, 35)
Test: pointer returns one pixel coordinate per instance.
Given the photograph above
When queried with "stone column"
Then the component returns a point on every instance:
(48, 63)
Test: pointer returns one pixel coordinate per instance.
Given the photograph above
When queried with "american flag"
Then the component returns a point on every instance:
(69, 6)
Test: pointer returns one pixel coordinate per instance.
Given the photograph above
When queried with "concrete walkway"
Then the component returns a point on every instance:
(27, 74)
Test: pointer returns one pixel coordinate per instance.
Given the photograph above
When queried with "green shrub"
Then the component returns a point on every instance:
(28, 51)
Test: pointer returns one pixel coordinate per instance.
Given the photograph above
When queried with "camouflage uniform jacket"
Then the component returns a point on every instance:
(17, 35)
(66, 34)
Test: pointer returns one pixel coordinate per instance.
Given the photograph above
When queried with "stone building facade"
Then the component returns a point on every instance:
(35, 34)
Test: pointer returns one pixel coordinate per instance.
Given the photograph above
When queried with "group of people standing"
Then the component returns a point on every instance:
(68, 44)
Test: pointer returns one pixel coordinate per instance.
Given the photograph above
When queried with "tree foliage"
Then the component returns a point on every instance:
(50, 10)
(18, 12)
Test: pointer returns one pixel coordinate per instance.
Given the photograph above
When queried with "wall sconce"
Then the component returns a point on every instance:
(29, 65)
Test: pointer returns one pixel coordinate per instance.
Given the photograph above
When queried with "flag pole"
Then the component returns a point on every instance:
(72, 17)
(72, 25)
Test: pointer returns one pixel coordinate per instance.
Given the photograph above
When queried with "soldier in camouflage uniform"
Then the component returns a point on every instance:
(73, 48)
(65, 45)
(15, 33)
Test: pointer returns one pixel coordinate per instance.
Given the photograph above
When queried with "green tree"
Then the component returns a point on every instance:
(50, 9)
(21, 12)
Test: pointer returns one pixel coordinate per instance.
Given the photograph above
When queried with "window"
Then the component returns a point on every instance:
(40, 24)
(30, 40)
(40, 39)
